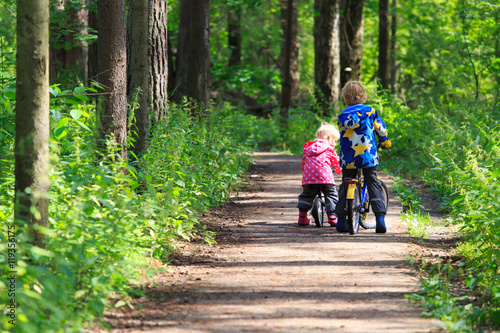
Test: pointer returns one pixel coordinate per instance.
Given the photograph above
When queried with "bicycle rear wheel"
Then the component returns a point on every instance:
(318, 212)
(368, 222)
(353, 216)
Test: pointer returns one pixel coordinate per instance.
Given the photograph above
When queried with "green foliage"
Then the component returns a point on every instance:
(7, 27)
(271, 135)
(202, 161)
(108, 218)
(416, 223)
(259, 83)
(67, 33)
(259, 76)
(469, 168)
(463, 33)
(454, 148)
(457, 314)
(407, 194)
(445, 49)
(478, 43)
(412, 216)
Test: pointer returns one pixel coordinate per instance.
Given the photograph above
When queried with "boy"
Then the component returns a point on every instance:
(358, 124)
(317, 162)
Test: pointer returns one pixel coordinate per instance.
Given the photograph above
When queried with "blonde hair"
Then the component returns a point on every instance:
(327, 130)
(354, 93)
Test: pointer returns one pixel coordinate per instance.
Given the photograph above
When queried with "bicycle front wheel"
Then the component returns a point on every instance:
(317, 212)
(353, 216)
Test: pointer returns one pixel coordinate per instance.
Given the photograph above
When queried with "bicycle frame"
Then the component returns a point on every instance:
(353, 203)
(365, 207)
(352, 183)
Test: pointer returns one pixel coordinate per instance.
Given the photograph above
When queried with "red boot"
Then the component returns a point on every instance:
(332, 220)
(303, 220)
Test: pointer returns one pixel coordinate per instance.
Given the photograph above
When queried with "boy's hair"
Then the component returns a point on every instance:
(354, 93)
(327, 130)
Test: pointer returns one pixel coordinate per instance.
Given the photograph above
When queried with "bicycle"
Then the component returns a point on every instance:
(358, 203)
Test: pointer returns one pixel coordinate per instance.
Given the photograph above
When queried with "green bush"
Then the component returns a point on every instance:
(455, 149)
(107, 217)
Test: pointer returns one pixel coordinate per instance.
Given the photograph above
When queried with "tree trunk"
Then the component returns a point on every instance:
(138, 70)
(234, 34)
(76, 50)
(327, 49)
(351, 40)
(286, 87)
(158, 59)
(294, 46)
(384, 54)
(112, 67)
(394, 30)
(92, 71)
(32, 117)
(193, 79)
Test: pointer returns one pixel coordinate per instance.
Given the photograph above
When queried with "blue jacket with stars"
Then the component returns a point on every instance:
(358, 125)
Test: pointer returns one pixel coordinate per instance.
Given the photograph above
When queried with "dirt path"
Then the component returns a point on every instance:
(266, 274)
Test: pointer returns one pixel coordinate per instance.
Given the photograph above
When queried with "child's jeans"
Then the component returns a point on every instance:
(372, 185)
(309, 192)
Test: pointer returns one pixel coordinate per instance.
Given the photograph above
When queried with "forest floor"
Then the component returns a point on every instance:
(267, 274)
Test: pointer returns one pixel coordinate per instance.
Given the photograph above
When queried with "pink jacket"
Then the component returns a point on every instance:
(317, 162)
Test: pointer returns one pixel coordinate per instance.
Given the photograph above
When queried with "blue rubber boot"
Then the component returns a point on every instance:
(341, 224)
(380, 228)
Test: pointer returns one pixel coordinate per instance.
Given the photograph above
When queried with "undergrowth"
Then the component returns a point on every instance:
(107, 217)
(460, 159)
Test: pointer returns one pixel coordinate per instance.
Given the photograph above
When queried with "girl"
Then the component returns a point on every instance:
(317, 162)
